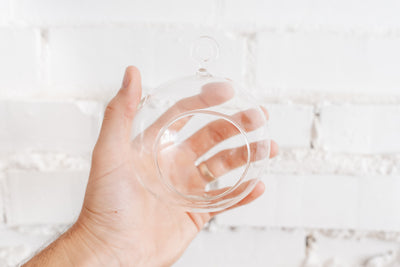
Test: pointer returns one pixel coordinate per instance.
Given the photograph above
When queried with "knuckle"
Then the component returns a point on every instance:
(120, 106)
(130, 109)
(110, 110)
(181, 106)
(227, 160)
(244, 154)
(215, 135)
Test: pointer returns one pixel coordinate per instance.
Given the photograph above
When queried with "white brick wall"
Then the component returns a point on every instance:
(366, 129)
(18, 243)
(342, 13)
(325, 61)
(95, 57)
(29, 194)
(50, 12)
(351, 250)
(19, 64)
(48, 126)
(4, 11)
(326, 70)
(290, 201)
(2, 197)
(245, 248)
(291, 125)
(330, 202)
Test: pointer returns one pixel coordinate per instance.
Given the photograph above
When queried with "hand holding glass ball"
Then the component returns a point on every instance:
(162, 168)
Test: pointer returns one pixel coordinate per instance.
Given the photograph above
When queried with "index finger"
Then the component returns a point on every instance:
(211, 94)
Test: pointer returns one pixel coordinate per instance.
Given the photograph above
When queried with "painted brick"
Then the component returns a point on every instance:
(328, 62)
(279, 205)
(17, 246)
(301, 201)
(340, 50)
(338, 13)
(48, 126)
(19, 60)
(33, 236)
(360, 129)
(322, 202)
(291, 125)
(378, 207)
(13, 255)
(351, 251)
(49, 12)
(330, 201)
(245, 248)
(2, 197)
(173, 57)
(261, 212)
(44, 197)
(4, 11)
(95, 58)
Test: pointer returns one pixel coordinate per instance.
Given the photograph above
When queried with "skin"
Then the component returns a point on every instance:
(121, 223)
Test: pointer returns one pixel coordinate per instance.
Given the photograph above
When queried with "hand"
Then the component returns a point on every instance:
(120, 221)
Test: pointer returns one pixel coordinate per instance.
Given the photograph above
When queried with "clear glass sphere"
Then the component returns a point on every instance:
(200, 142)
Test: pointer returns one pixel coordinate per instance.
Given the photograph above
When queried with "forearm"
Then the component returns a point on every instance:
(72, 248)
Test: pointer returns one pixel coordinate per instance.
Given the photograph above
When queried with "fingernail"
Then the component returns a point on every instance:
(126, 80)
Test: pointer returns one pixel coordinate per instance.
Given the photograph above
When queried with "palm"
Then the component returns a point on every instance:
(124, 215)
(129, 211)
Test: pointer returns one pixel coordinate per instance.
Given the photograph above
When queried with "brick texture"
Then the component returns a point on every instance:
(49, 12)
(341, 13)
(364, 129)
(291, 125)
(336, 202)
(4, 11)
(245, 247)
(48, 126)
(327, 71)
(19, 61)
(328, 62)
(44, 198)
(95, 58)
(2, 198)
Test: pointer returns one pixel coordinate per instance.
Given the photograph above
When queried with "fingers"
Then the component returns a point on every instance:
(258, 190)
(274, 149)
(121, 110)
(254, 194)
(212, 94)
(265, 112)
(219, 130)
(229, 159)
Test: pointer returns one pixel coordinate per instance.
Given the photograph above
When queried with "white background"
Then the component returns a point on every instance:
(328, 71)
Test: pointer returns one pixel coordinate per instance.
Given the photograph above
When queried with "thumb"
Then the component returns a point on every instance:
(119, 113)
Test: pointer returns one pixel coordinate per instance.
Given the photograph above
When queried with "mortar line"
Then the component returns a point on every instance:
(43, 57)
(249, 68)
(3, 199)
(315, 132)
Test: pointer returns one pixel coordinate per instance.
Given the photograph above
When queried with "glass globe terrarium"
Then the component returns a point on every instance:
(200, 142)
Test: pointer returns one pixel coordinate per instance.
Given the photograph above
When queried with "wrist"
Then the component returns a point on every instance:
(107, 247)
(73, 248)
(82, 249)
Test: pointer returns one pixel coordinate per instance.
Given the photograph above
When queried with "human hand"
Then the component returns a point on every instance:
(121, 222)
